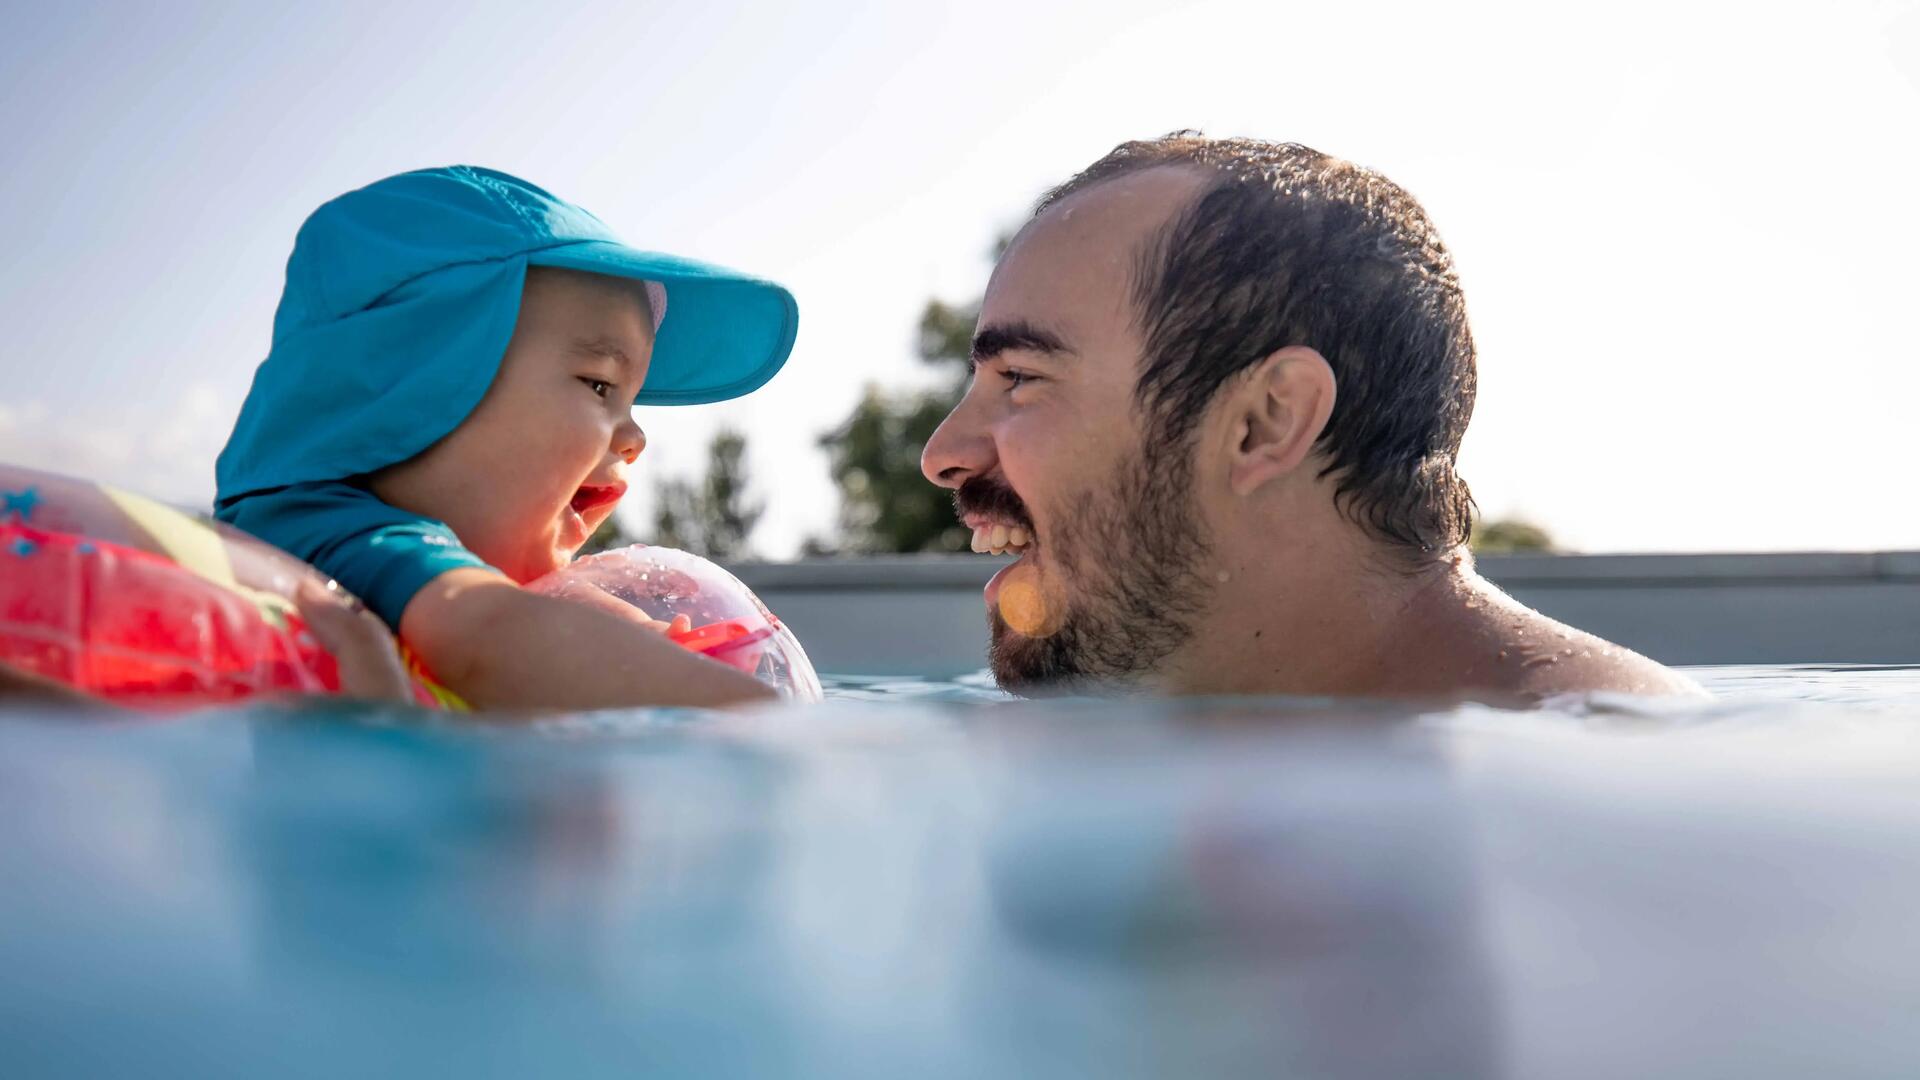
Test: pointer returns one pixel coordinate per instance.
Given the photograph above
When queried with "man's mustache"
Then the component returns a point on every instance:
(991, 499)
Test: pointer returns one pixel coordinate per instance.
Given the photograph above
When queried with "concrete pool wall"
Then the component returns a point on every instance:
(922, 614)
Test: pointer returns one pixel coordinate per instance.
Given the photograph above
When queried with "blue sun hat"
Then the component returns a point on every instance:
(401, 298)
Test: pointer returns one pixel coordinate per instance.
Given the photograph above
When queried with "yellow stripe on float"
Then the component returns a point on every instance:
(184, 540)
(196, 547)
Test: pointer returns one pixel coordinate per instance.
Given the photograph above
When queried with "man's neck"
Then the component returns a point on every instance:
(1359, 626)
(1339, 619)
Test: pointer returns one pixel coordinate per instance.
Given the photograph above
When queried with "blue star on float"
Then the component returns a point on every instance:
(23, 547)
(19, 502)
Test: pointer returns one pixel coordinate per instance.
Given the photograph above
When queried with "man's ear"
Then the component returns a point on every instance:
(1276, 414)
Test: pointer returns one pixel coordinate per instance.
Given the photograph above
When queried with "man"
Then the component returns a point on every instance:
(1219, 389)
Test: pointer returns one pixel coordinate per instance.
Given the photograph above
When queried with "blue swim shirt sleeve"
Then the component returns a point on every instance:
(379, 553)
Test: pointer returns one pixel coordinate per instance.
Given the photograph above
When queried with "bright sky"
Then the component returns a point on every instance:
(1687, 232)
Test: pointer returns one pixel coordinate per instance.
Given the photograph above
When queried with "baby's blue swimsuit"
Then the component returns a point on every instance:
(379, 553)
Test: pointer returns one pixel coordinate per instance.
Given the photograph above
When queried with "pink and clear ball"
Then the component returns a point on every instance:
(730, 624)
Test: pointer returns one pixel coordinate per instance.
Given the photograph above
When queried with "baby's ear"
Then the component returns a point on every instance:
(1275, 415)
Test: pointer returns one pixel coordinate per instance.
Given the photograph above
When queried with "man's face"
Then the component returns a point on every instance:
(540, 463)
(1049, 446)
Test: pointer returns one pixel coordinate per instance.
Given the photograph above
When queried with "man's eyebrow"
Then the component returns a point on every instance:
(600, 346)
(1010, 336)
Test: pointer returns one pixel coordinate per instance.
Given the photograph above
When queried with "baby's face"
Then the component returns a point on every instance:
(540, 463)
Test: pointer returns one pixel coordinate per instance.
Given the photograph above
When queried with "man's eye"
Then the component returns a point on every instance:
(600, 387)
(1017, 378)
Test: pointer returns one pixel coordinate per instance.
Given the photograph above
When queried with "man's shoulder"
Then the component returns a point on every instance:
(1543, 658)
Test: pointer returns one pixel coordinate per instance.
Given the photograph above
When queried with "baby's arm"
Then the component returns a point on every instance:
(499, 646)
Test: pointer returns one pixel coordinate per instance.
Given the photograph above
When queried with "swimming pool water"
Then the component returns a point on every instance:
(925, 879)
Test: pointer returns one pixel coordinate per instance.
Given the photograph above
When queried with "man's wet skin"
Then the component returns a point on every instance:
(1217, 558)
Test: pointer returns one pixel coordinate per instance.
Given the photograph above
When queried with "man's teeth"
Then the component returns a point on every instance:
(1000, 539)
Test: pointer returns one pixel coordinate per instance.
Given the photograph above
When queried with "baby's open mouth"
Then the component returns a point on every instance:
(591, 497)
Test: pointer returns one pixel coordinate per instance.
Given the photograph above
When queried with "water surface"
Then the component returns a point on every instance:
(926, 879)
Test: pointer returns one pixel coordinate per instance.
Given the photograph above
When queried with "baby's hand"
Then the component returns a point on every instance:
(681, 624)
(370, 667)
(595, 596)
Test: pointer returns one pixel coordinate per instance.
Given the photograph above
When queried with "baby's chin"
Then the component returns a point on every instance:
(553, 557)
(538, 556)
(536, 568)
(538, 559)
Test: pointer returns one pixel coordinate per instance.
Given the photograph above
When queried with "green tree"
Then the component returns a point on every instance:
(1503, 536)
(886, 505)
(714, 516)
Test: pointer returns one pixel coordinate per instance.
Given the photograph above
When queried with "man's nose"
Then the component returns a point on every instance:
(629, 440)
(960, 448)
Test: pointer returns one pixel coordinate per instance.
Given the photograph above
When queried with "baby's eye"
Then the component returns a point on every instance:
(600, 387)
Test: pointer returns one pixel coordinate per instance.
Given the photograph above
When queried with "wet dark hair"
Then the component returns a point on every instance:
(1292, 247)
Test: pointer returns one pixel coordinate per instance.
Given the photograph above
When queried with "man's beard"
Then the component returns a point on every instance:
(1131, 553)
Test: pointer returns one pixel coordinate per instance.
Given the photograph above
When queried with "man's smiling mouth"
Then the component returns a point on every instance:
(997, 517)
(999, 538)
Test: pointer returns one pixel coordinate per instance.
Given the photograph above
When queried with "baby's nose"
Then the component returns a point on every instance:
(629, 441)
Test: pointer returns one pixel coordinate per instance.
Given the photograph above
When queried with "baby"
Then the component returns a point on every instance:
(446, 414)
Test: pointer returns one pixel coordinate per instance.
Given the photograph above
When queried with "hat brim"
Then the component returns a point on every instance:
(725, 333)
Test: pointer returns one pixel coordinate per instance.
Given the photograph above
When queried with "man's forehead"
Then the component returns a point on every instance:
(1134, 202)
(1080, 253)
